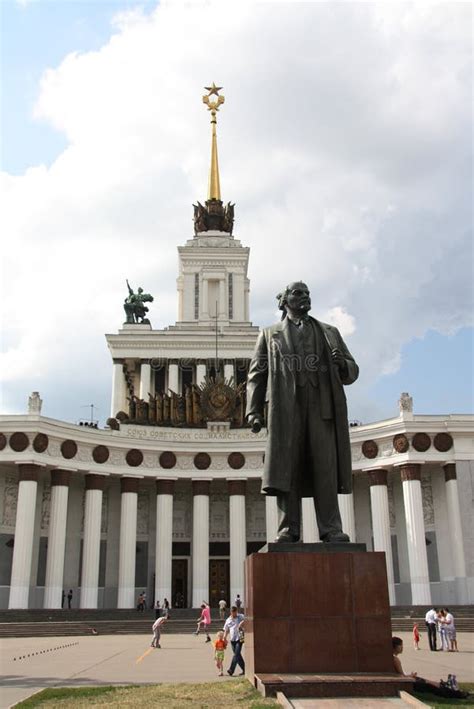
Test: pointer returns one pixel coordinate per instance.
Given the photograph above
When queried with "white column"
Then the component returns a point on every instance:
(164, 539)
(200, 548)
(417, 557)
(271, 518)
(238, 537)
(119, 400)
(145, 380)
(91, 545)
(54, 583)
(381, 523)
(310, 526)
(454, 521)
(222, 299)
(24, 530)
(128, 542)
(173, 376)
(346, 508)
(200, 373)
(229, 370)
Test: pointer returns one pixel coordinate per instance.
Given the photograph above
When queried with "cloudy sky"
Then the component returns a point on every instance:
(345, 141)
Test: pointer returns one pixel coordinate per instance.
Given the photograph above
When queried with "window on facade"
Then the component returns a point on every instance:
(432, 554)
(42, 555)
(6, 557)
(196, 296)
(396, 565)
(186, 376)
(160, 377)
(141, 564)
(231, 296)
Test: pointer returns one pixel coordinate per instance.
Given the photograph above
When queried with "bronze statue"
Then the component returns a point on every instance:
(299, 367)
(134, 307)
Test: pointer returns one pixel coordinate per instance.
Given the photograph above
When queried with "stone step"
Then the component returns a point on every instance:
(332, 685)
(143, 626)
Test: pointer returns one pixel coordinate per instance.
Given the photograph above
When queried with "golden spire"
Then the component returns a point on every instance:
(214, 190)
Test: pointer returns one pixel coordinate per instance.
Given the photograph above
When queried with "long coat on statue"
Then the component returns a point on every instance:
(272, 380)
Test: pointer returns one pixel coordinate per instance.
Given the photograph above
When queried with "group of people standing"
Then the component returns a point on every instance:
(440, 621)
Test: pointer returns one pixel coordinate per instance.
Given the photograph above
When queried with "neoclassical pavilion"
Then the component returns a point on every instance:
(167, 499)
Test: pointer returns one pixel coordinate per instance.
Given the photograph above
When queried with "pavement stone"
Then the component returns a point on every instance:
(128, 659)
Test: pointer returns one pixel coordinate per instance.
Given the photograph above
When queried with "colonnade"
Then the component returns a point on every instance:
(94, 486)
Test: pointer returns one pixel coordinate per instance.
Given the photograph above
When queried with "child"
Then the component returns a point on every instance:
(220, 645)
(416, 636)
(204, 620)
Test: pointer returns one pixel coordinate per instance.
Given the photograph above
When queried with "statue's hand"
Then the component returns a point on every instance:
(256, 422)
(339, 360)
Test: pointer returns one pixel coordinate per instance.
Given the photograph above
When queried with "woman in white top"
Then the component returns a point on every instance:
(451, 631)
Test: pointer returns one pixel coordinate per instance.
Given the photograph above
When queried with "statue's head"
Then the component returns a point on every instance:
(140, 290)
(295, 298)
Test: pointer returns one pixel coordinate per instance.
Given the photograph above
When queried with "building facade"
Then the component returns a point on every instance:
(167, 497)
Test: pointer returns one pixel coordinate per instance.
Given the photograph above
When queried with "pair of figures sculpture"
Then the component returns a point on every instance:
(134, 306)
(299, 369)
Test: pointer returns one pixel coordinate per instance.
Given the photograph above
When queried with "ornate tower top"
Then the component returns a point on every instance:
(213, 216)
(214, 190)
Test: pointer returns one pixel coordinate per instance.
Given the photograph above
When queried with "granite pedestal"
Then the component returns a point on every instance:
(319, 610)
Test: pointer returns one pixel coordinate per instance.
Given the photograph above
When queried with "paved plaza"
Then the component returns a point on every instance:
(128, 659)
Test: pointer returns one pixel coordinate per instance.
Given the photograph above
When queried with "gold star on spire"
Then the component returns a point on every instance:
(213, 89)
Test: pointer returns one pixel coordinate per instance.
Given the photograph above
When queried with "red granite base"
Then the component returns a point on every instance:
(317, 613)
(319, 686)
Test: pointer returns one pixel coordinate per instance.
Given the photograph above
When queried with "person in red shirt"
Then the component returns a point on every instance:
(416, 637)
(220, 644)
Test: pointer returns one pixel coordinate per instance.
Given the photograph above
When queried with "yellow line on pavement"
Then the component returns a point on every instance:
(150, 649)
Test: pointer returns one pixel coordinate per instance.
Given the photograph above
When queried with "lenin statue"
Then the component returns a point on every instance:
(298, 369)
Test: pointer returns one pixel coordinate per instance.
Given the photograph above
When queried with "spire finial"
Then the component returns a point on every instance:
(214, 190)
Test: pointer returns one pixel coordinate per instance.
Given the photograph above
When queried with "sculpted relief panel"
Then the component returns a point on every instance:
(46, 507)
(219, 516)
(10, 500)
(427, 496)
(143, 511)
(182, 516)
(255, 512)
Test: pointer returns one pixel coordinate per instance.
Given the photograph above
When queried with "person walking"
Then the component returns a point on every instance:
(157, 627)
(431, 619)
(238, 602)
(233, 629)
(222, 608)
(157, 610)
(144, 599)
(69, 598)
(166, 607)
(63, 598)
(204, 620)
(220, 644)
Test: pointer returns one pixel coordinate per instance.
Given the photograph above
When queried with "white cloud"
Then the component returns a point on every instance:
(344, 141)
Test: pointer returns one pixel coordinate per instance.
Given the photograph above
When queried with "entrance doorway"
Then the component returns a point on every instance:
(179, 583)
(219, 581)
